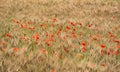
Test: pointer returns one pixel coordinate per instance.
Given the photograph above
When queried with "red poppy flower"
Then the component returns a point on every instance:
(3, 43)
(89, 25)
(36, 42)
(46, 20)
(41, 25)
(102, 52)
(68, 27)
(110, 51)
(58, 32)
(23, 26)
(103, 64)
(37, 36)
(54, 19)
(117, 41)
(31, 28)
(79, 24)
(118, 46)
(112, 36)
(15, 21)
(43, 51)
(15, 49)
(95, 38)
(116, 52)
(83, 43)
(66, 49)
(110, 33)
(83, 49)
(74, 29)
(53, 70)
(48, 44)
(103, 46)
(73, 24)
(8, 35)
(113, 17)
(29, 22)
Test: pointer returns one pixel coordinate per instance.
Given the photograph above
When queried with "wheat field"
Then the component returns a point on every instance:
(59, 35)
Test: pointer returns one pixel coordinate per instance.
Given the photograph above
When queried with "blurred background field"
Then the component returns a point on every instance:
(59, 35)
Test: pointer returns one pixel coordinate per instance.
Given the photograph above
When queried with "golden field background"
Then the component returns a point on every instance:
(75, 9)
(78, 10)
(104, 15)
